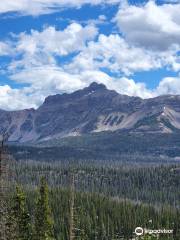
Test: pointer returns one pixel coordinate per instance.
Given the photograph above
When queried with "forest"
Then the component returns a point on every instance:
(105, 146)
(68, 200)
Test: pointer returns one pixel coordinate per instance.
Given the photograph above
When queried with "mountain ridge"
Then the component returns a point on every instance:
(90, 110)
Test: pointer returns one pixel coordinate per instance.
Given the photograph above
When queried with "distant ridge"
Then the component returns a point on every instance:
(92, 109)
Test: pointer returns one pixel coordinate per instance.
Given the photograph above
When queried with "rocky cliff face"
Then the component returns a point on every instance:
(92, 109)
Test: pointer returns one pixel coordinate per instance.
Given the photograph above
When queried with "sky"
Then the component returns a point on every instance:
(56, 46)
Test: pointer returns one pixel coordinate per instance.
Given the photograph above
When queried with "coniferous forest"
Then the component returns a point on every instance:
(75, 200)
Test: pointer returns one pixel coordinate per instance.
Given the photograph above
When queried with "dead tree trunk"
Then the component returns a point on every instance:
(72, 197)
(3, 205)
(5, 186)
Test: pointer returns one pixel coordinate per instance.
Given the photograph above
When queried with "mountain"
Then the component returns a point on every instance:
(92, 109)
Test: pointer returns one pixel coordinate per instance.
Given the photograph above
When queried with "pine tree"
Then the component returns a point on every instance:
(19, 220)
(43, 217)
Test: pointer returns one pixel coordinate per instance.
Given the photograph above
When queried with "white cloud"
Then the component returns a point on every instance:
(38, 67)
(168, 85)
(130, 87)
(71, 39)
(115, 54)
(48, 80)
(151, 26)
(40, 48)
(5, 49)
(11, 99)
(38, 7)
(101, 20)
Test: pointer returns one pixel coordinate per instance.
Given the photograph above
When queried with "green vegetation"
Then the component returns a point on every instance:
(110, 202)
(20, 225)
(20, 218)
(43, 219)
(95, 216)
(149, 184)
(106, 147)
(149, 120)
(121, 181)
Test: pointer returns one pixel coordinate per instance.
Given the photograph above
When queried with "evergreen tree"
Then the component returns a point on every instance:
(19, 221)
(43, 218)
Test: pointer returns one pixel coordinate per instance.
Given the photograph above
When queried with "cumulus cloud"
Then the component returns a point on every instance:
(40, 48)
(11, 99)
(114, 53)
(168, 85)
(71, 39)
(151, 26)
(48, 80)
(37, 65)
(38, 7)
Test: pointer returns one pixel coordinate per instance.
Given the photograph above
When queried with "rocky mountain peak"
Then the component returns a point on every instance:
(61, 98)
(94, 86)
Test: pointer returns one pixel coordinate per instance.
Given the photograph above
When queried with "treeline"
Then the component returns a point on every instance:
(149, 184)
(106, 146)
(45, 215)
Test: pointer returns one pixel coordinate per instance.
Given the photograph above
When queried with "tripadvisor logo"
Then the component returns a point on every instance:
(139, 231)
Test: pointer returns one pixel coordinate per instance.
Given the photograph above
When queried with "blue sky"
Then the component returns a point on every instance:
(55, 46)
